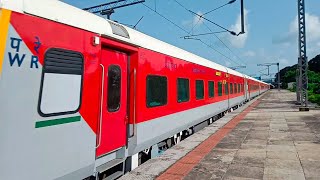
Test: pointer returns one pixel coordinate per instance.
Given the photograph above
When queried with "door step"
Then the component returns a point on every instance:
(111, 173)
(113, 176)
(109, 164)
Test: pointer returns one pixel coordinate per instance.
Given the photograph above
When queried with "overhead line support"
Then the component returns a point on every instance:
(302, 86)
(237, 67)
(268, 66)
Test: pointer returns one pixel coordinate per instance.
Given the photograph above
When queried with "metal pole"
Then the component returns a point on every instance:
(303, 60)
(298, 83)
(242, 18)
(278, 76)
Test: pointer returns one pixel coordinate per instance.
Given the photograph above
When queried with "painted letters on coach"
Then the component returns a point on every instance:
(16, 58)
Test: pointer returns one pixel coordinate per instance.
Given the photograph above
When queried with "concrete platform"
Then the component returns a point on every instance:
(266, 139)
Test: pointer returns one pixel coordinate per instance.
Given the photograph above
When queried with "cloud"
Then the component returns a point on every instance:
(239, 41)
(249, 54)
(195, 22)
(312, 28)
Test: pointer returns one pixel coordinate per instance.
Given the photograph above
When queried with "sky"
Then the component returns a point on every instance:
(271, 29)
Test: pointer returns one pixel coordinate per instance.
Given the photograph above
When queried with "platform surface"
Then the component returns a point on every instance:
(266, 139)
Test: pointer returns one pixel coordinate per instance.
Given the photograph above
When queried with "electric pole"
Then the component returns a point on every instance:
(268, 66)
(278, 76)
(302, 91)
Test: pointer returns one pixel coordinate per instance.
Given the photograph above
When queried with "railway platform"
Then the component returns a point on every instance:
(268, 138)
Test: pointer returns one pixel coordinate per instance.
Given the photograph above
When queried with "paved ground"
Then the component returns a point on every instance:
(270, 139)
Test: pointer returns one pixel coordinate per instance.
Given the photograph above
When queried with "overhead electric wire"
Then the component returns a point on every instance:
(194, 25)
(201, 16)
(230, 2)
(134, 27)
(225, 45)
(231, 32)
(189, 33)
(166, 18)
(202, 34)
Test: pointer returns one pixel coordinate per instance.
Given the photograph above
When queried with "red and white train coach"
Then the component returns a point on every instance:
(80, 95)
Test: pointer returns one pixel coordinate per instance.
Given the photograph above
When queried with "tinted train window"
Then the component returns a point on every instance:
(231, 88)
(61, 83)
(226, 88)
(211, 89)
(114, 89)
(199, 89)
(219, 88)
(235, 88)
(183, 90)
(239, 88)
(156, 91)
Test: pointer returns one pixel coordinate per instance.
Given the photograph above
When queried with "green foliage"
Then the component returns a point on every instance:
(315, 98)
(313, 77)
(292, 89)
(288, 74)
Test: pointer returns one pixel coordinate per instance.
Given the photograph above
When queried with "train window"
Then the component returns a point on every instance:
(199, 89)
(231, 88)
(61, 83)
(183, 90)
(219, 88)
(211, 89)
(239, 88)
(157, 91)
(235, 88)
(226, 88)
(114, 88)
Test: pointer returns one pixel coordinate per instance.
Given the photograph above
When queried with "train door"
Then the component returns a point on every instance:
(113, 111)
(246, 89)
(260, 89)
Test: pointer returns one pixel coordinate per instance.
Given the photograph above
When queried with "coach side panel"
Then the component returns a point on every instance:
(48, 99)
(159, 75)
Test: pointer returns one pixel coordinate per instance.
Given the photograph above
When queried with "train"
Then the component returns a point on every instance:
(83, 97)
